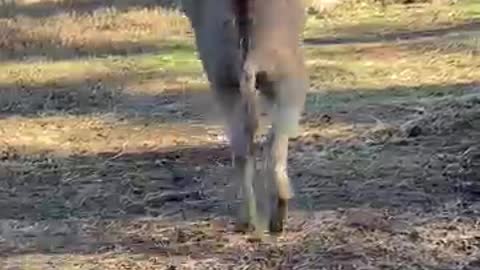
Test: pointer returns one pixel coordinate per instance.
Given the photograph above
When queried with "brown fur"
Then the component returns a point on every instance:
(271, 62)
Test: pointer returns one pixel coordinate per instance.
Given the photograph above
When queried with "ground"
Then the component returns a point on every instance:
(112, 154)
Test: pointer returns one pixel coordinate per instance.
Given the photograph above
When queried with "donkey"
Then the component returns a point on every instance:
(251, 49)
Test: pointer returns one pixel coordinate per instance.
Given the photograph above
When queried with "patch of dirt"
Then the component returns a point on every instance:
(402, 193)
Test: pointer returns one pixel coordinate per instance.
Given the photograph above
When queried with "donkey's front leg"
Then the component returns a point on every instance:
(242, 146)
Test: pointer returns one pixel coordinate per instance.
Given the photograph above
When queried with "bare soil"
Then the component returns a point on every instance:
(399, 192)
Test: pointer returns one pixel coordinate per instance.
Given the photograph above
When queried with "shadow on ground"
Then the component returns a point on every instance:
(354, 204)
(177, 100)
(23, 47)
(462, 29)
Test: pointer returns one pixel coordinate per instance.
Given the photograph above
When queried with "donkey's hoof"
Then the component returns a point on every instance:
(279, 217)
(276, 226)
(243, 227)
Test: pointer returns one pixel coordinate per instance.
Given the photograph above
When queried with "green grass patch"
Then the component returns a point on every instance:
(172, 62)
(382, 66)
(370, 19)
(470, 9)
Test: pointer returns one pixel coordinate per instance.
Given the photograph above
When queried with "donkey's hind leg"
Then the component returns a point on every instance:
(285, 124)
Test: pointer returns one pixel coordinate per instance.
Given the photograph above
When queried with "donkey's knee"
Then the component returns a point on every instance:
(284, 188)
(289, 104)
(286, 120)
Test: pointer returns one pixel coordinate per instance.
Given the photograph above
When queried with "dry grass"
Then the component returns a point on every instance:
(104, 31)
(328, 237)
(353, 19)
(90, 135)
(382, 66)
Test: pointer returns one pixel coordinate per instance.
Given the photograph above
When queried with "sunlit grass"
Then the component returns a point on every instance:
(470, 8)
(64, 135)
(105, 31)
(387, 65)
(372, 19)
(167, 63)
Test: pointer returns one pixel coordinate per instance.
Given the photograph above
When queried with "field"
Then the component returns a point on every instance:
(112, 154)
